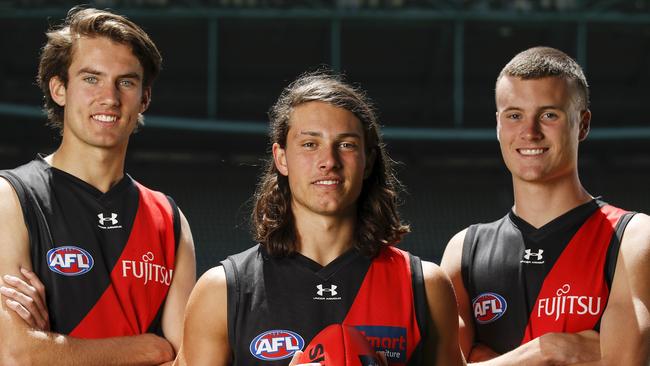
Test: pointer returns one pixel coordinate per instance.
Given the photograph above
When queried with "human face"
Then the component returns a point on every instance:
(539, 127)
(324, 159)
(104, 94)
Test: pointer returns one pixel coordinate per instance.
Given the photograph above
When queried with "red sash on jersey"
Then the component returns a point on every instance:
(384, 309)
(574, 293)
(141, 277)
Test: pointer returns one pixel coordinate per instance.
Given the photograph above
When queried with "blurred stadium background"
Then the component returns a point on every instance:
(429, 65)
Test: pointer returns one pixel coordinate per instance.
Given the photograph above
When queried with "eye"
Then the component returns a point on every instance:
(126, 83)
(513, 116)
(90, 79)
(549, 115)
(308, 145)
(348, 145)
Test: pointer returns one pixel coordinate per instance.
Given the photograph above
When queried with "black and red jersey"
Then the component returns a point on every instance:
(106, 259)
(277, 305)
(524, 281)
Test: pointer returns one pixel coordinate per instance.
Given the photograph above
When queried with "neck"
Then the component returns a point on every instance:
(540, 202)
(102, 168)
(324, 238)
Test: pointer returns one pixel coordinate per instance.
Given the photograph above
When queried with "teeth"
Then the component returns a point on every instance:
(531, 151)
(104, 118)
(327, 182)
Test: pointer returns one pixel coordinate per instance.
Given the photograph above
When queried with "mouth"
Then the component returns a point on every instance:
(104, 118)
(327, 182)
(532, 151)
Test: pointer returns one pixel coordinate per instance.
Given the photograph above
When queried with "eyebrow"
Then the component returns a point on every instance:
(339, 136)
(88, 70)
(540, 108)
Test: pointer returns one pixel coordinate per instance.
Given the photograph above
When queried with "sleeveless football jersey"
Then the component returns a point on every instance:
(277, 305)
(106, 259)
(524, 282)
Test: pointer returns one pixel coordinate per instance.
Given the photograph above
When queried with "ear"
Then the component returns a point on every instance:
(57, 90)
(280, 159)
(585, 124)
(371, 156)
(498, 125)
(146, 99)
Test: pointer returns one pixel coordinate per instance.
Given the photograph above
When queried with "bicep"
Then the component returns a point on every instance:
(14, 244)
(205, 331)
(625, 326)
(451, 264)
(179, 292)
(444, 315)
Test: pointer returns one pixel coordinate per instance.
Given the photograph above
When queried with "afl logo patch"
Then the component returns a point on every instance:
(276, 345)
(69, 261)
(489, 307)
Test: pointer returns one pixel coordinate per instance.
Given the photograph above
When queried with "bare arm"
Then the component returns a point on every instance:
(22, 345)
(625, 325)
(451, 264)
(205, 332)
(444, 315)
(179, 292)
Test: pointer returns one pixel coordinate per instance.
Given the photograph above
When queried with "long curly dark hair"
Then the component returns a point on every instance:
(378, 220)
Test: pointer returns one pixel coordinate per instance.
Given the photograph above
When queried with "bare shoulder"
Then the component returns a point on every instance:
(636, 238)
(436, 281)
(207, 305)
(212, 284)
(454, 251)
(14, 240)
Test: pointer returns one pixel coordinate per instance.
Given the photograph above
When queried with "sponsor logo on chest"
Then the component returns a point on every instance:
(147, 270)
(533, 256)
(276, 345)
(489, 307)
(391, 340)
(108, 221)
(565, 304)
(324, 292)
(69, 260)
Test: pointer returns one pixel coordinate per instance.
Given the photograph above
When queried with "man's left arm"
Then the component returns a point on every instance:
(443, 322)
(182, 284)
(625, 325)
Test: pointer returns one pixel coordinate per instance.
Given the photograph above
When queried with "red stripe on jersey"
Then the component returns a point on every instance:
(141, 277)
(384, 305)
(574, 293)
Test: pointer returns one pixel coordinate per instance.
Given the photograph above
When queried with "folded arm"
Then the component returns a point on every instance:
(20, 344)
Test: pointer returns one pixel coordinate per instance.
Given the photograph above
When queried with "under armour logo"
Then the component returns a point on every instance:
(331, 290)
(103, 220)
(529, 253)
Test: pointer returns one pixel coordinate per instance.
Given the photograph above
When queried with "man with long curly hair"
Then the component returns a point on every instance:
(326, 220)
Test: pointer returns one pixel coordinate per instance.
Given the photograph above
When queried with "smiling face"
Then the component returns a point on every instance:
(104, 94)
(324, 159)
(539, 127)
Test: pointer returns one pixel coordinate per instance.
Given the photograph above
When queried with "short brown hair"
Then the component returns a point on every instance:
(378, 220)
(540, 62)
(56, 55)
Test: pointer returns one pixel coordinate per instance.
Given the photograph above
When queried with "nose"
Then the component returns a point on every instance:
(329, 159)
(109, 95)
(531, 129)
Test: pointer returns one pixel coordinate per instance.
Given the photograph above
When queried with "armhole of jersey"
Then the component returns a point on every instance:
(466, 257)
(176, 219)
(30, 222)
(232, 286)
(614, 246)
(421, 306)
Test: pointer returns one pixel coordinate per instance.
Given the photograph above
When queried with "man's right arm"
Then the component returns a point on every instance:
(205, 330)
(22, 345)
(549, 349)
